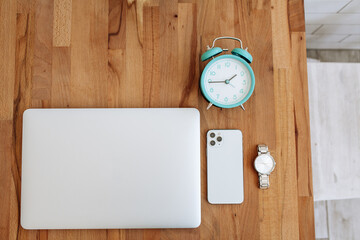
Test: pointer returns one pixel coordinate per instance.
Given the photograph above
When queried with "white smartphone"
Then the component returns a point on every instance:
(225, 181)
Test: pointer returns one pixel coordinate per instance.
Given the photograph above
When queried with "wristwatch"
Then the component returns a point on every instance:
(264, 164)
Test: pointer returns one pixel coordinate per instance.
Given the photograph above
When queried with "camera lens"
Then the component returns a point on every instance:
(219, 139)
(212, 142)
(212, 134)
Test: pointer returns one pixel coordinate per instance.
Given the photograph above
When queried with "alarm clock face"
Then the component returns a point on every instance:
(227, 81)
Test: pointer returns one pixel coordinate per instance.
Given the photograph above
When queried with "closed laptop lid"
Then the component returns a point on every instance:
(110, 168)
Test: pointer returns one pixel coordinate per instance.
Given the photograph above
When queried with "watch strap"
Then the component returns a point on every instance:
(263, 149)
(264, 181)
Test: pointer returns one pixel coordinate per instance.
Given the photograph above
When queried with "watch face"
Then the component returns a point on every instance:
(264, 164)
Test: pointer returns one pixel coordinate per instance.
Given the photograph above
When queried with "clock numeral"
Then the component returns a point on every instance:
(241, 90)
(226, 99)
(234, 97)
(235, 67)
(218, 66)
(227, 64)
(212, 73)
(244, 82)
(211, 90)
(242, 73)
(217, 96)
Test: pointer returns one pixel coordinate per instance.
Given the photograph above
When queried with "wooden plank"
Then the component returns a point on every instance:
(5, 176)
(89, 44)
(116, 77)
(132, 84)
(61, 75)
(25, 33)
(41, 65)
(32, 87)
(62, 23)
(117, 24)
(25, 6)
(232, 224)
(289, 53)
(281, 33)
(115, 234)
(134, 234)
(188, 61)
(116, 52)
(151, 57)
(210, 222)
(302, 133)
(302, 122)
(7, 57)
(285, 156)
(306, 218)
(260, 106)
(296, 16)
(169, 80)
(25, 25)
(64, 234)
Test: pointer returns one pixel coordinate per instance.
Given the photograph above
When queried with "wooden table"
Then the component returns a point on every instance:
(99, 53)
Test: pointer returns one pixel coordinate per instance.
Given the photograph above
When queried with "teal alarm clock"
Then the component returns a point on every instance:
(227, 80)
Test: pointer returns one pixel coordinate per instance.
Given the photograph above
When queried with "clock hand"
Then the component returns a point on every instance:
(232, 77)
(226, 80)
(216, 81)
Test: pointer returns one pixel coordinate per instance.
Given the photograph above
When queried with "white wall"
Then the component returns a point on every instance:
(332, 24)
(334, 101)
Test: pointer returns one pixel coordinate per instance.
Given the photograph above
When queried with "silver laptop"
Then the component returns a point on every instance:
(110, 168)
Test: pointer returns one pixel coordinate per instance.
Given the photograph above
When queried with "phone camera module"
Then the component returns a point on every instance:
(212, 142)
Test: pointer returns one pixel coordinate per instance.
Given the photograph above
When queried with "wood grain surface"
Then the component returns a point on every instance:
(146, 53)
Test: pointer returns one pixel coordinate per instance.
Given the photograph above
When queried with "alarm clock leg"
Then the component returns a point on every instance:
(242, 106)
(209, 106)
